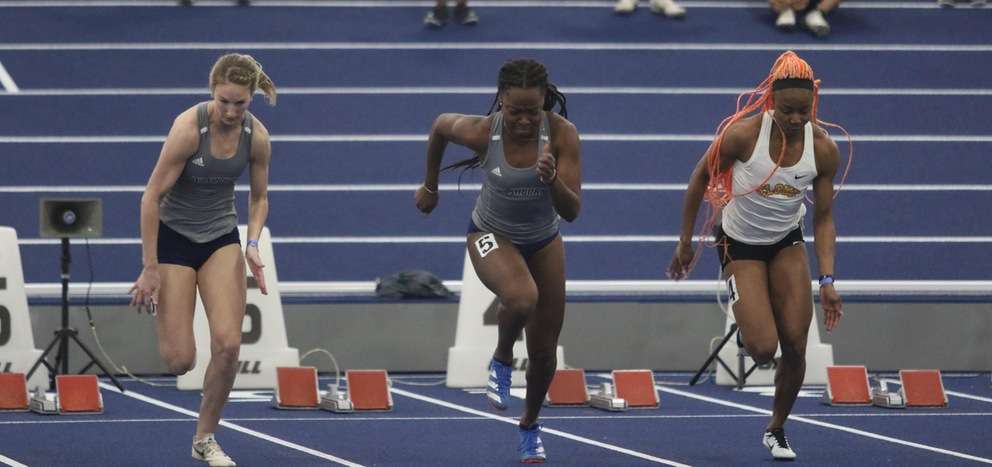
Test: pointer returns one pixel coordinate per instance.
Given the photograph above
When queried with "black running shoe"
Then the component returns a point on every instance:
(436, 17)
(466, 15)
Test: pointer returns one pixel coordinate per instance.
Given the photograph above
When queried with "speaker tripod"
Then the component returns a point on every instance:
(739, 377)
(65, 333)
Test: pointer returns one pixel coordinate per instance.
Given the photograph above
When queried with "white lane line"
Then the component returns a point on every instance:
(404, 187)
(471, 418)
(98, 420)
(396, 138)
(630, 46)
(427, 3)
(951, 393)
(562, 434)
(566, 238)
(882, 288)
(799, 418)
(11, 462)
(483, 90)
(7, 81)
(226, 424)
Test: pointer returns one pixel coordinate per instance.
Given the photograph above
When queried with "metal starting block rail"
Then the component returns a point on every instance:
(297, 388)
(74, 394)
(848, 385)
(628, 389)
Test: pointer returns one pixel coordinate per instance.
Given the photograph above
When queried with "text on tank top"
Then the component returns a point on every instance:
(770, 211)
(513, 201)
(200, 205)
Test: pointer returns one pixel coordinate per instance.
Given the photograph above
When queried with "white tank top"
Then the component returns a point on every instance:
(768, 214)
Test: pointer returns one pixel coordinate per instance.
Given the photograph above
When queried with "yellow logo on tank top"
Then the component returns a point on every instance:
(781, 189)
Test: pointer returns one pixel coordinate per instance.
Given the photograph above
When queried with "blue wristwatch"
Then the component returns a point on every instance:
(826, 279)
(253, 243)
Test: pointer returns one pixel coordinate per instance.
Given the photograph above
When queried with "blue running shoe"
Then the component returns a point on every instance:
(498, 387)
(531, 448)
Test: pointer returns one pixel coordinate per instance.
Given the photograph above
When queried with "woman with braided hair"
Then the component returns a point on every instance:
(530, 158)
(755, 176)
(189, 233)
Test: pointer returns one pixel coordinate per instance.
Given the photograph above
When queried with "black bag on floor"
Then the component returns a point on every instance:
(411, 284)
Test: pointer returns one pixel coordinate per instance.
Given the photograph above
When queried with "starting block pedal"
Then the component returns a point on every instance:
(922, 388)
(368, 390)
(882, 397)
(568, 388)
(13, 392)
(336, 401)
(297, 388)
(78, 394)
(636, 387)
(847, 385)
(43, 403)
(606, 399)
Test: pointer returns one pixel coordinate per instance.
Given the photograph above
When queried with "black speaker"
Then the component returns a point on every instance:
(70, 218)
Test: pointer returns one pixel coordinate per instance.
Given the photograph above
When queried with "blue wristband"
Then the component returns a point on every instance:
(826, 279)
(253, 243)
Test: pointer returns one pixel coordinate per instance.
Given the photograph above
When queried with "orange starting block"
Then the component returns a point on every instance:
(369, 390)
(296, 388)
(636, 387)
(568, 388)
(13, 392)
(847, 385)
(78, 394)
(923, 388)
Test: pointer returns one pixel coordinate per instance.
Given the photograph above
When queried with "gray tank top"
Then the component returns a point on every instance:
(200, 205)
(513, 202)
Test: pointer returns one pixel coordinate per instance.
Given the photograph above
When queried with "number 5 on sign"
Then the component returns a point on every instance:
(486, 244)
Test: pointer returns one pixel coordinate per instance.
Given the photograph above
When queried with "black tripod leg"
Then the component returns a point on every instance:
(714, 354)
(730, 372)
(41, 358)
(94, 360)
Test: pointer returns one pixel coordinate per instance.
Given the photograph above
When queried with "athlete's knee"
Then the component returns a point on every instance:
(762, 352)
(179, 362)
(794, 349)
(520, 303)
(542, 362)
(226, 347)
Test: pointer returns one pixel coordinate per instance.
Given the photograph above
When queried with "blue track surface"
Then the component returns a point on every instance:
(915, 156)
(99, 69)
(310, 163)
(907, 138)
(406, 114)
(704, 425)
(720, 25)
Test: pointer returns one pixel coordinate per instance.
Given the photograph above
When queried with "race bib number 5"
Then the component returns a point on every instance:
(486, 244)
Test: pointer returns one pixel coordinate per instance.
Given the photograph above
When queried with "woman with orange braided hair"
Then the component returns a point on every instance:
(189, 234)
(755, 176)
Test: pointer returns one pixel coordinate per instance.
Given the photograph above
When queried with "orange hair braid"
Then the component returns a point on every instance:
(719, 190)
